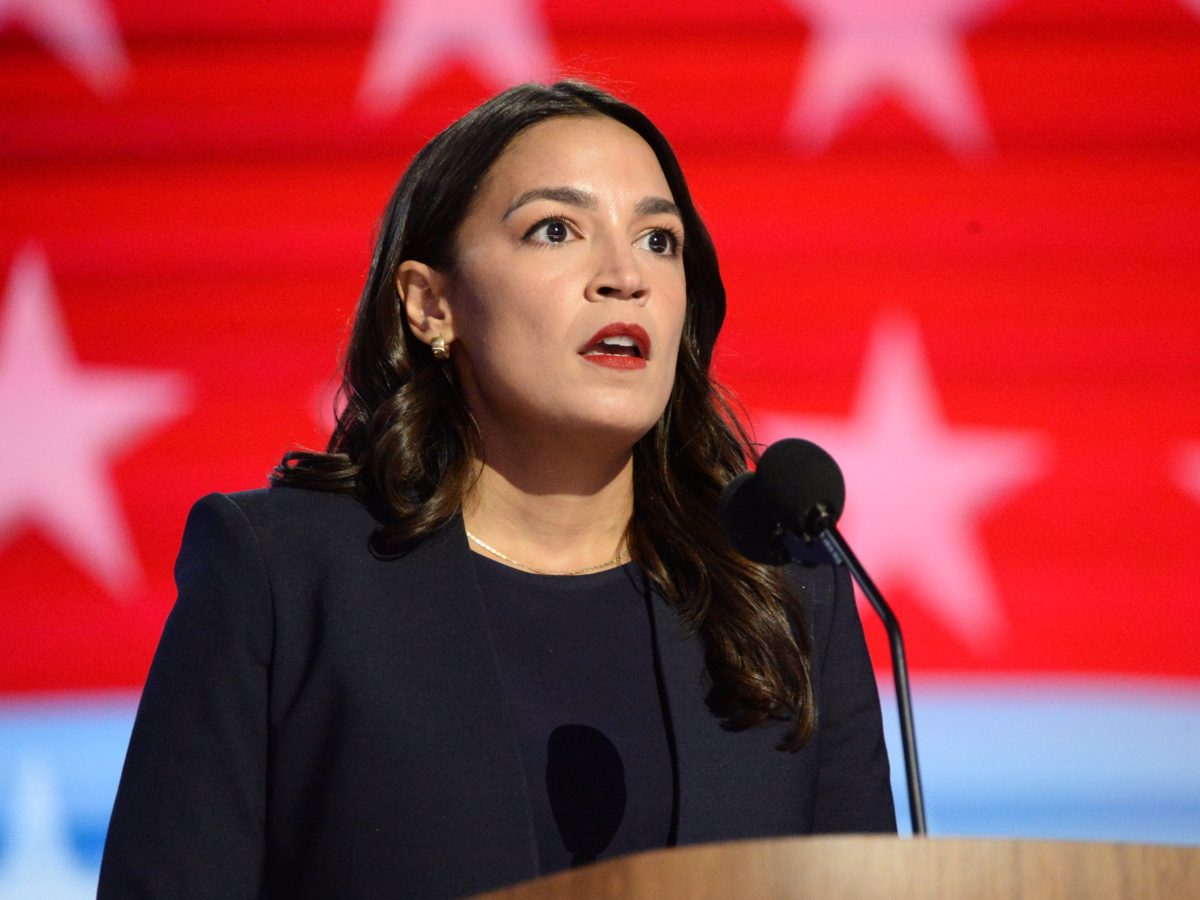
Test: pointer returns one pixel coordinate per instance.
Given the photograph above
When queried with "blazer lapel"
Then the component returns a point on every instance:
(731, 784)
(481, 750)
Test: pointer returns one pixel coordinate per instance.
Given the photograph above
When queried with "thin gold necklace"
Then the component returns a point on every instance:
(622, 556)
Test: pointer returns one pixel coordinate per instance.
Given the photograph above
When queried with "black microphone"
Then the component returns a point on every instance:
(752, 532)
(796, 484)
(798, 488)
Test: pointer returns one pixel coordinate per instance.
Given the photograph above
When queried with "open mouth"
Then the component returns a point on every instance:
(615, 346)
(619, 340)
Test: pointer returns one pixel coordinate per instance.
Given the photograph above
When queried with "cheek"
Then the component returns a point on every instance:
(675, 290)
(493, 291)
(674, 324)
(505, 330)
(477, 302)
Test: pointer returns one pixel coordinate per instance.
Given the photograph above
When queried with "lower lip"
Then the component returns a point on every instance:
(616, 362)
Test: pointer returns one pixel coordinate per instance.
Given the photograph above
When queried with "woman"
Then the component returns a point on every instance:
(495, 631)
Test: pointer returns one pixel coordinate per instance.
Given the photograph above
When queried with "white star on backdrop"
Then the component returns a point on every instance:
(38, 861)
(82, 32)
(505, 40)
(1187, 469)
(863, 50)
(63, 424)
(917, 486)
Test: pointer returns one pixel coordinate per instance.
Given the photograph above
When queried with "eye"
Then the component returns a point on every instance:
(661, 241)
(552, 230)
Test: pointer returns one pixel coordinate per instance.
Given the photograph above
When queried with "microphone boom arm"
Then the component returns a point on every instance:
(822, 526)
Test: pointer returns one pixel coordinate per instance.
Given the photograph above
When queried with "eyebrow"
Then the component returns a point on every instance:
(647, 206)
(653, 206)
(568, 195)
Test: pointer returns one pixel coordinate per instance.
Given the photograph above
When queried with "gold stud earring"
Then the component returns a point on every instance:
(439, 348)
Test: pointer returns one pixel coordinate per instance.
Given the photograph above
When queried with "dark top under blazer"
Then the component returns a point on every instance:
(322, 722)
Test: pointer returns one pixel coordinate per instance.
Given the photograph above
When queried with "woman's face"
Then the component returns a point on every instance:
(567, 302)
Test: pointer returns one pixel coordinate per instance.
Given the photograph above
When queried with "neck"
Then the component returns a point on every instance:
(555, 511)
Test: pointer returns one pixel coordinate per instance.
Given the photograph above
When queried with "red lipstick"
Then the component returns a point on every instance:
(618, 346)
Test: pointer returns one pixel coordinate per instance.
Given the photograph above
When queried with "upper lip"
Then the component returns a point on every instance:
(621, 329)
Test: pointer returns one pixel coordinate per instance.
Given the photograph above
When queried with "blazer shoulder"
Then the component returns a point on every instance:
(303, 504)
(308, 539)
(297, 517)
(820, 584)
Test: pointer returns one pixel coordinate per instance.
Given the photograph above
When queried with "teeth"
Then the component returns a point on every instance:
(613, 345)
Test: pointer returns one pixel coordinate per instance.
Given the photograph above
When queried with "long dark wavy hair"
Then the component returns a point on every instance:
(406, 444)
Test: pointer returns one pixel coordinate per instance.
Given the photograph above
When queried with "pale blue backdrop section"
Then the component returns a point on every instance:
(1083, 758)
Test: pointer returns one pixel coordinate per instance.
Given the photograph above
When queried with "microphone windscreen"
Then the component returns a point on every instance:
(747, 526)
(794, 477)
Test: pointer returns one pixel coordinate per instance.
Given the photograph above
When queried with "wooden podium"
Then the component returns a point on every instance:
(855, 866)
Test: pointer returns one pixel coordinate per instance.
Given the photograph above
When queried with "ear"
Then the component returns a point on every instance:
(423, 291)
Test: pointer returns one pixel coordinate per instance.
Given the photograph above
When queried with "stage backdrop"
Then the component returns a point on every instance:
(961, 240)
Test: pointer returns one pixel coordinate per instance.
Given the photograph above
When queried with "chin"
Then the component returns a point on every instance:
(635, 415)
(617, 431)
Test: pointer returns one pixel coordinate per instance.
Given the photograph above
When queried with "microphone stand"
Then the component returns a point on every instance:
(822, 526)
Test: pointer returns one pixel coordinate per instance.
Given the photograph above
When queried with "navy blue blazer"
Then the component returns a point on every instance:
(322, 722)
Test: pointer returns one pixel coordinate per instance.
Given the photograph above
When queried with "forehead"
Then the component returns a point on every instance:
(595, 152)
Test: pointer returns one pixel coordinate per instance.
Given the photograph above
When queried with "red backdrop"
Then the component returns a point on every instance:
(952, 231)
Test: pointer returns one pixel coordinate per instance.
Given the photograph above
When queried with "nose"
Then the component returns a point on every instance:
(618, 275)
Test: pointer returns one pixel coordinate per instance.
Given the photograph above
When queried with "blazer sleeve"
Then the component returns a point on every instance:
(854, 791)
(188, 821)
